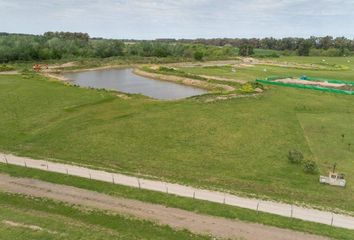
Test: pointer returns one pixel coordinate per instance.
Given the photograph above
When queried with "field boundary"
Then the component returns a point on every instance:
(282, 209)
(271, 81)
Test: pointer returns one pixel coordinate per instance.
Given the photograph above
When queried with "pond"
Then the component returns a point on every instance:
(124, 80)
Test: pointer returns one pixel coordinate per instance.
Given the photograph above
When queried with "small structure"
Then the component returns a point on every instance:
(39, 67)
(334, 179)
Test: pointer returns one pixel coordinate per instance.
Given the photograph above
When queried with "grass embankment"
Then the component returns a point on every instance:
(237, 145)
(198, 206)
(166, 73)
(34, 218)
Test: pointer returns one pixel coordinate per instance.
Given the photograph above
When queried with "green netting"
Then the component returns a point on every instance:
(326, 80)
(332, 90)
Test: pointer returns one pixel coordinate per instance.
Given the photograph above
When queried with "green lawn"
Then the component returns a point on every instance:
(37, 219)
(239, 145)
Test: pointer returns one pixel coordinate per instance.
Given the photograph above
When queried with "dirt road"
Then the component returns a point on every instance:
(278, 208)
(176, 218)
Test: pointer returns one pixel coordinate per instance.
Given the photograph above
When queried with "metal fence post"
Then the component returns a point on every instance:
(332, 219)
(139, 183)
(292, 211)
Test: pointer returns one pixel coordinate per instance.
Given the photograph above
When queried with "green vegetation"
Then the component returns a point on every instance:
(310, 166)
(66, 45)
(198, 206)
(246, 50)
(4, 68)
(54, 220)
(176, 72)
(74, 46)
(328, 68)
(295, 156)
(239, 145)
(314, 46)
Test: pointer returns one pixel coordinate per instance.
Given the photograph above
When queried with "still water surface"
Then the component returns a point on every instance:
(124, 80)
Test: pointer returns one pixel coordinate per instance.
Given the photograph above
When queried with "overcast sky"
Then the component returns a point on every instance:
(150, 19)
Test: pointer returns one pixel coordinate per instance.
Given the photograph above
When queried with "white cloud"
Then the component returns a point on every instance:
(183, 18)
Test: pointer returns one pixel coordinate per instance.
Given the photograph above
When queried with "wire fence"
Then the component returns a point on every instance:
(282, 209)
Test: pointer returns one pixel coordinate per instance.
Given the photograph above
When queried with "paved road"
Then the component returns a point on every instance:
(277, 208)
(176, 218)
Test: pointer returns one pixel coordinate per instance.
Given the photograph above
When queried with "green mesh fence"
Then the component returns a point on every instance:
(326, 80)
(270, 80)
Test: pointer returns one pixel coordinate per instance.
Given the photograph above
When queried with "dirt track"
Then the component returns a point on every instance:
(176, 218)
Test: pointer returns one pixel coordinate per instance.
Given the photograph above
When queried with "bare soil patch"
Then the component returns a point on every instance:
(313, 83)
(31, 227)
(9, 73)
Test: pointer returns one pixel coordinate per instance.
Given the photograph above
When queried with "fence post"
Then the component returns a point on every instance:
(6, 160)
(25, 163)
(67, 172)
(194, 195)
(332, 219)
(166, 188)
(47, 166)
(257, 207)
(113, 179)
(292, 211)
(139, 183)
(224, 201)
(90, 175)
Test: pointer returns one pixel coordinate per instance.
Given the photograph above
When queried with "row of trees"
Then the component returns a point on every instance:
(55, 46)
(279, 44)
(58, 45)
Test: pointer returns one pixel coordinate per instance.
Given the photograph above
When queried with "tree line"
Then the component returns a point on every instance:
(302, 46)
(59, 45)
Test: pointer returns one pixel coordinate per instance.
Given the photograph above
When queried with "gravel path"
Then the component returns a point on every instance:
(176, 218)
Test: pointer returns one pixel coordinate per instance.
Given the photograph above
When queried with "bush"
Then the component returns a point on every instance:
(4, 68)
(310, 166)
(247, 88)
(295, 156)
(198, 55)
(257, 85)
(246, 50)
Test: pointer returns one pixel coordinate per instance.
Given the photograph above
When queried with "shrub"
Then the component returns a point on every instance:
(247, 88)
(257, 85)
(246, 50)
(295, 156)
(4, 68)
(310, 166)
(198, 55)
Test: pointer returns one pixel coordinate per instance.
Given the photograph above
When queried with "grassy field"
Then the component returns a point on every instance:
(188, 204)
(35, 218)
(238, 145)
(263, 71)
